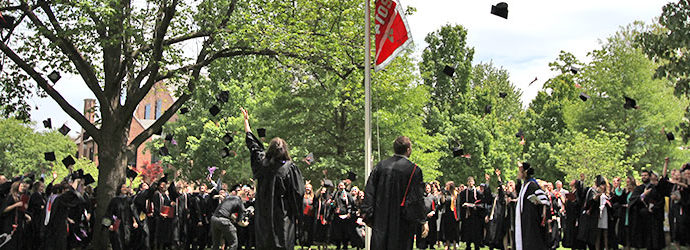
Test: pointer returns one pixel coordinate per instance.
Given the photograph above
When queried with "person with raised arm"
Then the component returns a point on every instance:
(279, 191)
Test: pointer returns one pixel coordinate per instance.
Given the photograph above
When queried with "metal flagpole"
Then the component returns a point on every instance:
(367, 104)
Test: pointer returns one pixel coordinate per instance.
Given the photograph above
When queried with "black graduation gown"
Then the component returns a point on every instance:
(119, 212)
(637, 226)
(279, 192)
(531, 219)
(306, 222)
(36, 210)
(164, 226)
(11, 219)
(323, 216)
(472, 227)
(142, 235)
(341, 225)
(384, 193)
(684, 220)
(57, 230)
(430, 204)
(496, 228)
(450, 228)
(653, 219)
(573, 209)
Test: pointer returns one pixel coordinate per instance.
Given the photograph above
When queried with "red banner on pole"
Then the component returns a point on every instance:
(392, 32)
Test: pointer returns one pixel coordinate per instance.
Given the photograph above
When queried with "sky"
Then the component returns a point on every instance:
(532, 36)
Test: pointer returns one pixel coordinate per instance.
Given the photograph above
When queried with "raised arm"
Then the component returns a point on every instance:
(665, 167)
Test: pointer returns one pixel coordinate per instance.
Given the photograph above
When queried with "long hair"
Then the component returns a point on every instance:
(277, 151)
(14, 190)
(633, 183)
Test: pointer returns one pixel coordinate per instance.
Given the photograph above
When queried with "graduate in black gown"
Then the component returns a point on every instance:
(340, 228)
(653, 214)
(573, 210)
(119, 219)
(57, 227)
(13, 215)
(323, 213)
(141, 236)
(162, 200)
(684, 202)
(306, 222)
(471, 216)
(394, 200)
(279, 191)
(530, 230)
(36, 210)
(430, 204)
(450, 228)
(496, 217)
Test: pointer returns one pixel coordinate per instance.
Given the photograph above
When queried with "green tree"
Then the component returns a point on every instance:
(602, 153)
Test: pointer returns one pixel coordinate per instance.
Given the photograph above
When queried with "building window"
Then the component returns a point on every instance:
(159, 108)
(147, 111)
(91, 153)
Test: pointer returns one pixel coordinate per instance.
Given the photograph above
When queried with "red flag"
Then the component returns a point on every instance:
(392, 32)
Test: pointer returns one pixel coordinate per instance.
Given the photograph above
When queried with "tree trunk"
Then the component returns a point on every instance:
(112, 161)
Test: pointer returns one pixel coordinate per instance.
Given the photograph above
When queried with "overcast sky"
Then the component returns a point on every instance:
(532, 36)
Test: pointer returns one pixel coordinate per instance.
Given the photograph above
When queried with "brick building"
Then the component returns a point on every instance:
(149, 109)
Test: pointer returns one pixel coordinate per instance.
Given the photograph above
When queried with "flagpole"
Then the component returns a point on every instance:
(367, 104)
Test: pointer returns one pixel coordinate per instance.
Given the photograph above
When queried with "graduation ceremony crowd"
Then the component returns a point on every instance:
(279, 210)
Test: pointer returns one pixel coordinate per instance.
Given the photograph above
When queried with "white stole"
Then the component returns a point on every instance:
(518, 216)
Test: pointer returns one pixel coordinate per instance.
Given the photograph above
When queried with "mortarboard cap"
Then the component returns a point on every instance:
(449, 71)
(49, 156)
(351, 176)
(85, 136)
(6, 22)
(502, 94)
(64, 129)
(68, 161)
(48, 123)
(670, 136)
(214, 110)
(500, 9)
(223, 96)
(227, 138)
(168, 137)
(131, 174)
(54, 76)
(574, 69)
(310, 158)
(158, 131)
(235, 187)
(584, 97)
(328, 183)
(261, 132)
(164, 179)
(88, 179)
(526, 165)
(630, 103)
(163, 151)
(519, 134)
(226, 152)
(457, 152)
(184, 110)
(487, 109)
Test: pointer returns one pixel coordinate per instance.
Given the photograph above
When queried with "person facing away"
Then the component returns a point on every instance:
(279, 191)
(394, 200)
(530, 231)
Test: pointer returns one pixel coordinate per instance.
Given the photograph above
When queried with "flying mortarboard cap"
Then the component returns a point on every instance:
(88, 179)
(502, 94)
(168, 137)
(351, 176)
(574, 69)
(519, 134)
(630, 103)
(487, 109)
(131, 174)
(261, 132)
(68, 161)
(86, 136)
(500, 9)
(49, 156)
(6, 22)
(184, 110)
(214, 110)
(54, 76)
(670, 136)
(163, 151)
(48, 123)
(223, 96)
(64, 129)
(227, 138)
(225, 152)
(448, 70)
(526, 165)
(457, 152)
(310, 158)
(584, 97)
(158, 131)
